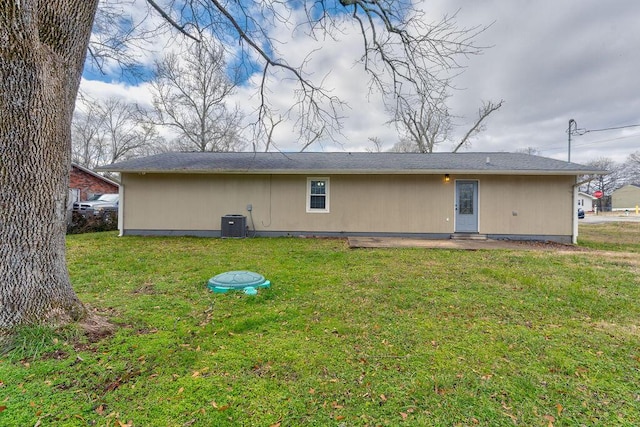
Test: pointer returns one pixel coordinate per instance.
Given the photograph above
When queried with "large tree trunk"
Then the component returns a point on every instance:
(43, 44)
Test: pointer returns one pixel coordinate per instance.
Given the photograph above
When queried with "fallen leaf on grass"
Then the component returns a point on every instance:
(112, 386)
(404, 415)
(513, 417)
(581, 372)
(560, 408)
(549, 418)
(276, 424)
(2, 408)
(219, 408)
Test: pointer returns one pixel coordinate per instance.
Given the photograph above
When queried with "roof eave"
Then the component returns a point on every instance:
(358, 171)
(92, 173)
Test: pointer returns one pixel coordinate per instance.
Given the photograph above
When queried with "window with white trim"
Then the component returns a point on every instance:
(317, 194)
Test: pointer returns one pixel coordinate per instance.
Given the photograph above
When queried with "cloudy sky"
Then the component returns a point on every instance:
(549, 60)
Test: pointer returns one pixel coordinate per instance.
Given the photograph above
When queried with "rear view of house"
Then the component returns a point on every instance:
(500, 195)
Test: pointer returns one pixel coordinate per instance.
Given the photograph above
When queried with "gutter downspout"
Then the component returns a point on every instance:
(574, 222)
(121, 208)
(574, 215)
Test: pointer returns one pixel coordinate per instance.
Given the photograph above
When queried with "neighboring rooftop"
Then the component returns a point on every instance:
(351, 163)
(92, 173)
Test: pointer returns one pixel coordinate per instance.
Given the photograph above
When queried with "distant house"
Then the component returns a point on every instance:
(626, 198)
(586, 201)
(84, 183)
(500, 195)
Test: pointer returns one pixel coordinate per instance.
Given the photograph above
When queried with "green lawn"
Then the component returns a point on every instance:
(343, 338)
(611, 236)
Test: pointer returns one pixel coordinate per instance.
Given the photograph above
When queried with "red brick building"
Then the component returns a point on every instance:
(84, 183)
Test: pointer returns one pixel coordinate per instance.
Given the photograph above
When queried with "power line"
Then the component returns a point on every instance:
(574, 130)
(613, 128)
(606, 140)
(582, 131)
(557, 148)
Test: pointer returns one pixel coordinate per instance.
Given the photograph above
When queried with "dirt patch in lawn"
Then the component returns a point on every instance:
(471, 245)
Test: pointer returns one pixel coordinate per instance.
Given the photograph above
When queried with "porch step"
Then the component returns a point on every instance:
(468, 236)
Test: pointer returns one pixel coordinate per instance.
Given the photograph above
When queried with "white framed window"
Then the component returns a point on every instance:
(317, 195)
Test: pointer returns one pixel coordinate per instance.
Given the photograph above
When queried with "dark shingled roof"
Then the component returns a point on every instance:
(351, 163)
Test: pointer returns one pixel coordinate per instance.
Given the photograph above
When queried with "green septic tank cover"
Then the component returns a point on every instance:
(246, 281)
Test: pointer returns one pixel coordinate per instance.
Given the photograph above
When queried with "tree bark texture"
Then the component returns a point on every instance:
(43, 45)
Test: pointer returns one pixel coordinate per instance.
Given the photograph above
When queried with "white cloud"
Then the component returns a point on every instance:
(550, 61)
(102, 90)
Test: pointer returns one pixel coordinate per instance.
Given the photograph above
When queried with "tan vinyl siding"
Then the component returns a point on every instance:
(627, 197)
(188, 202)
(526, 205)
(358, 203)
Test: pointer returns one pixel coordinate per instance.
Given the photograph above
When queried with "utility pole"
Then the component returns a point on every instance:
(569, 131)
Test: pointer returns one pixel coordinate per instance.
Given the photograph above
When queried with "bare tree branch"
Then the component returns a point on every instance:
(106, 131)
(270, 129)
(426, 121)
(168, 18)
(484, 111)
(377, 145)
(404, 53)
(310, 142)
(190, 93)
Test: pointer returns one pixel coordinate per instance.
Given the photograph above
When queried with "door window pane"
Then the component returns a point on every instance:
(465, 198)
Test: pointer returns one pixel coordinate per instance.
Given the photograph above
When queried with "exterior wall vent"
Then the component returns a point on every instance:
(233, 225)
